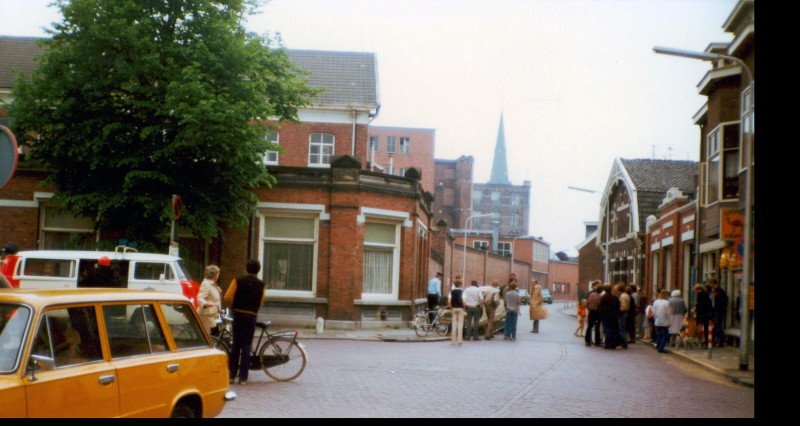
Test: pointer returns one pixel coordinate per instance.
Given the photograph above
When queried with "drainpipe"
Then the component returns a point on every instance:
(353, 143)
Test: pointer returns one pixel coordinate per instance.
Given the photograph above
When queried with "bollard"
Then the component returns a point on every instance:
(710, 335)
(320, 325)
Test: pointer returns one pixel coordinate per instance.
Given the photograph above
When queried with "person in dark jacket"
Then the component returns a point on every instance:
(720, 312)
(102, 275)
(703, 310)
(593, 320)
(609, 315)
(245, 295)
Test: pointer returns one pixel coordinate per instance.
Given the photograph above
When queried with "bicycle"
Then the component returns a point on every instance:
(423, 325)
(281, 356)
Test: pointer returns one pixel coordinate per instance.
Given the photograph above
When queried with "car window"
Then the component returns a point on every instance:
(186, 330)
(63, 268)
(69, 336)
(13, 322)
(153, 271)
(133, 330)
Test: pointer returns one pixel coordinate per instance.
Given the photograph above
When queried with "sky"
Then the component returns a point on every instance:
(577, 81)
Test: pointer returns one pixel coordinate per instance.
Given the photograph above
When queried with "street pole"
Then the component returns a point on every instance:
(747, 146)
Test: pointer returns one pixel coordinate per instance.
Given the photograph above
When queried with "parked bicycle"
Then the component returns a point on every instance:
(279, 354)
(423, 323)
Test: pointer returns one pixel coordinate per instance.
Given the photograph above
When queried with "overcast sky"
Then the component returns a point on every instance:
(577, 81)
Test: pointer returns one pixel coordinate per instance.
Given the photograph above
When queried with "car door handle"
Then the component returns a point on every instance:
(172, 368)
(105, 380)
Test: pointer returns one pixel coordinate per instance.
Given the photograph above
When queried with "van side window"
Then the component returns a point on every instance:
(135, 332)
(185, 328)
(70, 336)
(49, 268)
(152, 271)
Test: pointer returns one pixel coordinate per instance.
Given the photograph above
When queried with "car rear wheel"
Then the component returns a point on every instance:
(182, 411)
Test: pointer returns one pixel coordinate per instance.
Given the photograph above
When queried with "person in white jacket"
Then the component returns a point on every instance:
(661, 313)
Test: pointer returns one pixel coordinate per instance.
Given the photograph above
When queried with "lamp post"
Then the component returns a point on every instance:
(511, 267)
(748, 205)
(466, 229)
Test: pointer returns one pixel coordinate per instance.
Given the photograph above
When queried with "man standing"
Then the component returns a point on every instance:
(245, 295)
(703, 311)
(624, 311)
(609, 315)
(456, 305)
(491, 300)
(474, 302)
(434, 292)
(593, 301)
(720, 298)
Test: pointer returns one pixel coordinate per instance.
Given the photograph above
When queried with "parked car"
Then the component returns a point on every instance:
(107, 353)
(142, 271)
(546, 296)
(525, 297)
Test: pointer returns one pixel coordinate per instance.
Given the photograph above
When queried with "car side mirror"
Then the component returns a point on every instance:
(39, 362)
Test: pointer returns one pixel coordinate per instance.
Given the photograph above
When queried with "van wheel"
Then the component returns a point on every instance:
(182, 411)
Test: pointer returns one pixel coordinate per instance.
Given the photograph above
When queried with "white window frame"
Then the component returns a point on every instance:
(290, 210)
(321, 144)
(375, 142)
(715, 149)
(392, 217)
(405, 145)
(391, 144)
(272, 157)
(504, 248)
(480, 245)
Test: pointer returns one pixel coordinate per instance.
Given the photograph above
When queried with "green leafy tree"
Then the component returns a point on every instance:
(136, 100)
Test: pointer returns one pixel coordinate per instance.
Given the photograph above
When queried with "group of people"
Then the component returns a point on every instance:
(468, 305)
(621, 312)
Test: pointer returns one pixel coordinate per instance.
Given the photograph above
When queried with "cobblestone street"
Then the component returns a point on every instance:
(549, 374)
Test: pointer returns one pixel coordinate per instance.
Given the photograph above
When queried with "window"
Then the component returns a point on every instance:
(63, 231)
(186, 329)
(515, 199)
(722, 173)
(133, 330)
(514, 220)
(289, 253)
(405, 145)
(504, 249)
(152, 271)
(63, 268)
(13, 326)
(381, 259)
(271, 157)
(374, 142)
(480, 245)
(69, 336)
(748, 123)
(495, 198)
(390, 144)
(477, 199)
(320, 149)
(401, 171)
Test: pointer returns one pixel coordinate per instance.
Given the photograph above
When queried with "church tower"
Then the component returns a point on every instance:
(500, 163)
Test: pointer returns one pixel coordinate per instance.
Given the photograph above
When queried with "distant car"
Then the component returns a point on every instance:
(546, 296)
(524, 296)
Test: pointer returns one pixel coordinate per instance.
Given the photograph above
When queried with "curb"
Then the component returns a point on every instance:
(744, 381)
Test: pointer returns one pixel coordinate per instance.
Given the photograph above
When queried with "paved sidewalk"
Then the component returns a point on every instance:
(724, 361)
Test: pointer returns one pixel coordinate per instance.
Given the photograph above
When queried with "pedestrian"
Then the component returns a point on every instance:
(703, 310)
(457, 313)
(720, 300)
(638, 312)
(624, 309)
(101, 276)
(209, 300)
(661, 320)
(537, 310)
(434, 293)
(244, 296)
(630, 318)
(593, 302)
(491, 300)
(609, 315)
(582, 312)
(474, 302)
(677, 310)
(512, 300)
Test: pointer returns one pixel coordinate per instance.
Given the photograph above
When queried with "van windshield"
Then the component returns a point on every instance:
(13, 321)
(182, 271)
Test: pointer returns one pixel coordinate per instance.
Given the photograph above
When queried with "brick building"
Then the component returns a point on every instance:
(394, 150)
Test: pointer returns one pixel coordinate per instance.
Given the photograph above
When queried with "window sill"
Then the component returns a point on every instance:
(382, 302)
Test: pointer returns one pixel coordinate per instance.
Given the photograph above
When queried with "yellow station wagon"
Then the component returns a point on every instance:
(107, 353)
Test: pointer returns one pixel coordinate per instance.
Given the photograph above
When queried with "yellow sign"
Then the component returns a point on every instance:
(731, 224)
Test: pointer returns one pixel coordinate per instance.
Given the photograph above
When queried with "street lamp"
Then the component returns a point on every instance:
(466, 229)
(748, 206)
(511, 267)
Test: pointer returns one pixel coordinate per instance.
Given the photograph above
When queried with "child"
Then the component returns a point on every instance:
(581, 318)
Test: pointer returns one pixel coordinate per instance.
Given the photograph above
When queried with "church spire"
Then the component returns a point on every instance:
(500, 164)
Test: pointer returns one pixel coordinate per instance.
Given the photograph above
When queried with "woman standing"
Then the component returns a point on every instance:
(512, 300)
(209, 298)
(677, 310)
(537, 311)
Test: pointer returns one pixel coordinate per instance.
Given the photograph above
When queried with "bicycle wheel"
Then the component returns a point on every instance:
(282, 359)
(222, 344)
(421, 326)
(441, 329)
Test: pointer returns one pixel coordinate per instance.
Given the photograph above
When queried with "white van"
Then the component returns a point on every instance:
(141, 271)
